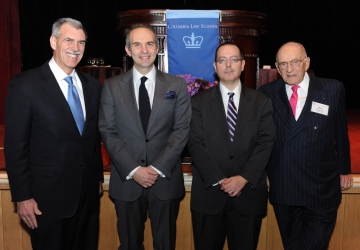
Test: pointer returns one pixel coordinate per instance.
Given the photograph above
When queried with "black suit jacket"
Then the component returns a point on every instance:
(46, 157)
(215, 157)
(309, 154)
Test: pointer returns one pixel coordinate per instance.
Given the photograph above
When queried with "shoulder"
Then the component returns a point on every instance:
(325, 82)
(162, 76)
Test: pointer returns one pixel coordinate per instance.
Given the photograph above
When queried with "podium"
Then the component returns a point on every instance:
(243, 28)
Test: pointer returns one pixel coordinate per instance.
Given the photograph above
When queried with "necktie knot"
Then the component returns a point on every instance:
(295, 88)
(68, 79)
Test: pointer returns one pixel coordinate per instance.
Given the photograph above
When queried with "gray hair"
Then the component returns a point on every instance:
(72, 22)
(135, 26)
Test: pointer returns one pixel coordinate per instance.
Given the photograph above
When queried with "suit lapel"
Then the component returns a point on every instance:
(161, 85)
(217, 107)
(282, 105)
(243, 113)
(126, 85)
(53, 89)
(87, 91)
(315, 93)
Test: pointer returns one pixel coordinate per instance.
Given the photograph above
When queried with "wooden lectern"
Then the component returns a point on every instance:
(244, 28)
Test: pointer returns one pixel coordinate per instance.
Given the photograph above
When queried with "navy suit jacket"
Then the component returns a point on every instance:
(46, 157)
(309, 154)
(215, 157)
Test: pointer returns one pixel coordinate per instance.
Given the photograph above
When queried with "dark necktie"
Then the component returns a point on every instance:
(75, 104)
(231, 115)
(144, 104)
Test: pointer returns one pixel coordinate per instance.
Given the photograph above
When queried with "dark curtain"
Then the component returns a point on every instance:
(9, 48)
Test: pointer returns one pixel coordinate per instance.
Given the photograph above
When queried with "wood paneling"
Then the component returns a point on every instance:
(14, 236)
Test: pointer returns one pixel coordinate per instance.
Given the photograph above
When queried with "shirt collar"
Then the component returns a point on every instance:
(151, 75)
(224, 91)
(58, 72)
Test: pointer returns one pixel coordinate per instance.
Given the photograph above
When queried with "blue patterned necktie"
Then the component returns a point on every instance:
(231, 116)
(75, 104)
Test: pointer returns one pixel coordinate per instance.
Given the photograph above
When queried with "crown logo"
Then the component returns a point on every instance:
(193, 42)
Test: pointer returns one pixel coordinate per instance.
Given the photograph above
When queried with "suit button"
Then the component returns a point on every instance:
(147, 140)
(82, 165)
(231, 157)
(81, 141)
(285, 144)
(142, 161)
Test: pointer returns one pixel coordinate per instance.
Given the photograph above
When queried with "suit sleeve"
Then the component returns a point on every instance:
(167, 158)
(256, 164)
(17, 140)
(205, 164)
(342, 144)
(109, 135)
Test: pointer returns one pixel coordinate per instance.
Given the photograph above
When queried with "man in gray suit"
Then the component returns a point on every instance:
(310, 162)
(144, 124)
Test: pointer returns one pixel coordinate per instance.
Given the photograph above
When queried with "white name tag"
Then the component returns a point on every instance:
(320, 108)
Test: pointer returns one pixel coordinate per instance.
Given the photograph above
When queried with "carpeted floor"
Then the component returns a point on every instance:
(354, 135)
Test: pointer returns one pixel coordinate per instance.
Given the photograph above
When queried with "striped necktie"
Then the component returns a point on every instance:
(231, 115)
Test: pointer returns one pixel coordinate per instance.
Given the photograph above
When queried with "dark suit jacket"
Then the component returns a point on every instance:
(309, 154)
(46, 157)
(128, 145)
(215, 157)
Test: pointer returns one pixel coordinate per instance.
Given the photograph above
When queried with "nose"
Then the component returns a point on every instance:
(289, 67)
(228, 63)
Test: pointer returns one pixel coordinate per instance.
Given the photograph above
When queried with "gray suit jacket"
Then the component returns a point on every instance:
(128, 145)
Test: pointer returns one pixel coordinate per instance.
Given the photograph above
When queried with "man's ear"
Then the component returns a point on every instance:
(127, 51)
(53, 42)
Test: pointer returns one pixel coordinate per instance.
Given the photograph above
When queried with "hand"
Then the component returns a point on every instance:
(27, 210)
(233, 185)
(346, 182)
(145, 176)
(101, 190)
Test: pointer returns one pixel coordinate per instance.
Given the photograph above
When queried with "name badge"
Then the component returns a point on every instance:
(320, 108)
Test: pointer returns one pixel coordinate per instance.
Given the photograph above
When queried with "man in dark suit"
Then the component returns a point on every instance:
(310, 162)
(231, 137)
(144, 123)
(52, 151)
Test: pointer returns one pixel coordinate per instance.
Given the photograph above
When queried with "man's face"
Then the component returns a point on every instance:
(68, 48)
(143, 49)
(294, 72)
(227, 65)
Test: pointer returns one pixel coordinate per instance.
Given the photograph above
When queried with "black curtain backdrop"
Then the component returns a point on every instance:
(329, 31)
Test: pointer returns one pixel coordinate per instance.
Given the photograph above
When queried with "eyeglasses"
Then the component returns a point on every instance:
(232, 60)
(294, 63)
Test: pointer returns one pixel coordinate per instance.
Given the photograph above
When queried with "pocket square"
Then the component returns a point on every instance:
(170, 95)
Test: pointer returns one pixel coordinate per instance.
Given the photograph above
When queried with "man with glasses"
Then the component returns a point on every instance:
(310, 162)
(231, 138)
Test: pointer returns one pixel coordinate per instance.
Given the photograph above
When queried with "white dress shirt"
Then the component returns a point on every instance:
(60, 75)
(225, 96)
